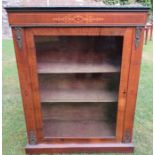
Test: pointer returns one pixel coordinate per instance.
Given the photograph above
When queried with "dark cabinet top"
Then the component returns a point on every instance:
(71, 5)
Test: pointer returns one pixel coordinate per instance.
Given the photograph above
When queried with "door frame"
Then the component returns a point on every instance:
(126, 33)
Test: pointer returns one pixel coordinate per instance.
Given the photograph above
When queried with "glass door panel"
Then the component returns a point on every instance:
(79, 84)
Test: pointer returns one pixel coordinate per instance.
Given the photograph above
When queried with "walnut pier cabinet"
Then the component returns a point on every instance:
(79, 70)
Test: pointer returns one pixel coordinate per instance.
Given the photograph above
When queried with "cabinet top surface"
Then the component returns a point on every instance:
(71, 5)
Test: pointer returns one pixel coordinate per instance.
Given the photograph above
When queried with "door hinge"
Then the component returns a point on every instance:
(32, 138)
(19, 38)
(127, 137)
(137, 36)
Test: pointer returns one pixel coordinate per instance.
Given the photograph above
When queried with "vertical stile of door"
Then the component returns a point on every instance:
(32, 63)
(134, 74)
(126, 55)
(25, 79)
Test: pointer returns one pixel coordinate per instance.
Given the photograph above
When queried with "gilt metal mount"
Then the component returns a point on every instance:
(32, 138)
(19, 38)
(138, 36)
(127, 137)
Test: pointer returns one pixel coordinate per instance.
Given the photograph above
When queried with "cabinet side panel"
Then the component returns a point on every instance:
(24, 78)
(134, 74)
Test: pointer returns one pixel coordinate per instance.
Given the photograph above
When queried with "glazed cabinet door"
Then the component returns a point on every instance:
(77, 79)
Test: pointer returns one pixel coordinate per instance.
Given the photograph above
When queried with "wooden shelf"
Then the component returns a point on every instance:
(46, 68)
(78, 96)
